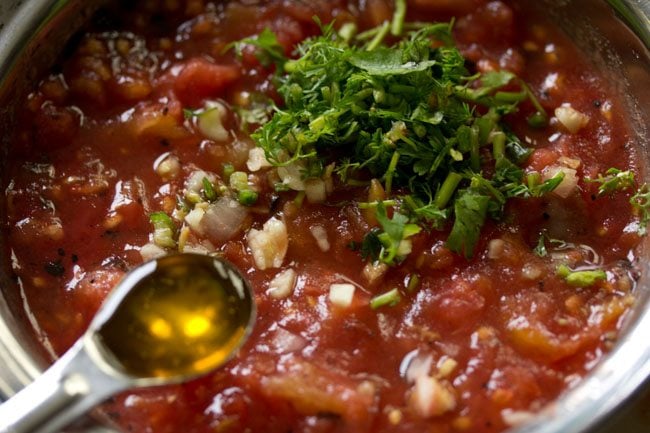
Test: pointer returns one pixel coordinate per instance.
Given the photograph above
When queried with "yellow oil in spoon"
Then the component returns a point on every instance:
(184, 319)
(167, 321)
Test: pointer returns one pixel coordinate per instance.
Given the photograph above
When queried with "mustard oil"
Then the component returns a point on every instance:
(185, 318)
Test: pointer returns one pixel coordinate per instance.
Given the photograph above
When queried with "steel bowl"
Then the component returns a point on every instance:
(615, 33)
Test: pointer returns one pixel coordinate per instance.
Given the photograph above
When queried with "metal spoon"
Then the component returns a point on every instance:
(168, 321)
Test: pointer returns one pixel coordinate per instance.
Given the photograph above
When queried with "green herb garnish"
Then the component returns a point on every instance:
(390, 299)
(208, 190)
(581, 278)
(540, 249)
(613, 180)
(164, 229)
(394, 236)
(189, 114)
(269, 51)
(470, 209)
(247, 197)
(641, 202)
(411, 115)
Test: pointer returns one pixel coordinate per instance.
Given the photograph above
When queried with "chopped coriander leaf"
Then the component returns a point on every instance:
(269, 50)
(515, 150)
(426, 212)
(470, 210)
(496, 79)
(395, 233)
(388, 299)
(613, 180)
(410, 114)
(641, 203)
(384, 61)
(548, 185)
(581, 278)
(540, 249)
(164, 229)
(188, 114)
(537, 120)
(181, 204)
(371, 246)
(533, 187)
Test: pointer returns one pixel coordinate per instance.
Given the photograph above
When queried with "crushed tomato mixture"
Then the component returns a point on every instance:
(138, 144)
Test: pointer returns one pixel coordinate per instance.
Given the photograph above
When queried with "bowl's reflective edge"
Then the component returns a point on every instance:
(617, 32)
(622, 51)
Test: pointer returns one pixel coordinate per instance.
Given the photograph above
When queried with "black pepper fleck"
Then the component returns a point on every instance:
(110, 234)
(55, 269)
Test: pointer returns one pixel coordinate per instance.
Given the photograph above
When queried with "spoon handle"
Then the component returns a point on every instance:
(59, 396)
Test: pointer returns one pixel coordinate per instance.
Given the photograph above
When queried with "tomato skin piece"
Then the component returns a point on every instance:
(201, 79)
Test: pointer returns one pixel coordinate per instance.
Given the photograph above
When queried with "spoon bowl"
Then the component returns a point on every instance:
(174, 318)
(168, 321)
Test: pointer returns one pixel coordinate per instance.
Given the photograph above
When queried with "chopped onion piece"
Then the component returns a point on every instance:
(315, 190)
(183, 236)
(516, 417)
(198, 248)
(531, 271)
(210, 122)
(418, 365)
(572, 119)
(374, 271)
(284, 341)
(573, 163)
(257, 159)
(193, 219)
(269, 245)
(568, 184)
(496, 248)
(282, 284)
(341, 294)
(223, 219)
(194, 182)
(167, 166)
(239, 181)
(151, 251)
(291, 176)
(429, 398)
(320, 234)
(446, 366)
